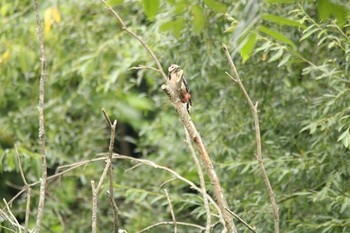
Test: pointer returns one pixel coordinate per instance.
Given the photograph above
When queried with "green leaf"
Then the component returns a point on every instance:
(277, 36)
(178, 26)
(309, 33)
(115, 2)
(198, 19)
(247, 49)
(282, 21)
(166, 26)
(281, 1)
(276, 56)
(345, 138)
(284, 60)
(151, 7)
(216, 6)
(325, 9)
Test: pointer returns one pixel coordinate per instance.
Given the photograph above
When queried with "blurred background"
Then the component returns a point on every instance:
(293, 57)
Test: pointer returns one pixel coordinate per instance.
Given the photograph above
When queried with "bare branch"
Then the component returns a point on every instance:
(107, 117)
(171, 223)
(254, 111)
(171, 210)
(94, 208)
(111, 192)
(41, 122)
(12, 219)
(143, 68)
(28, 190)
(160, 69)
(253, 229)
(202, 182)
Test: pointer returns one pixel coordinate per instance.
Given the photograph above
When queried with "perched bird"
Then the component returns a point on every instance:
(176, 77)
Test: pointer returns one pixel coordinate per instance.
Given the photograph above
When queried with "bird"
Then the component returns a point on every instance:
(176, 75)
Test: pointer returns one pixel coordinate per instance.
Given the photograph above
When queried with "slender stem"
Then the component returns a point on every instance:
(41, 122)
(110, 175)
(171, 210)
(94, 208)
(202, 182)
(254, 111)
(170, 223)
(28, 190)
(242, 221)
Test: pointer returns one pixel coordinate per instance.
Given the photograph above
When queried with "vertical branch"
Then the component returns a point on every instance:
(27, 188)
(111, 192)
(94, 207)
(41, 122)
(171, 210)
(202, 182)
(254, 111)
(110, 175)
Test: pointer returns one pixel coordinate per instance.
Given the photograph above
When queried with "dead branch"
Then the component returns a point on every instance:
(254, 111)
(202, 182)
(170, 223)
(27, 188)
(143, 68)
(253, 229)
(110, 175)
(41, 121)
(94, 208)
(186, 120)
(171, 210)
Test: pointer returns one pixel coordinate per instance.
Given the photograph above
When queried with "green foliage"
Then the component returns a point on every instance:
(294, 60)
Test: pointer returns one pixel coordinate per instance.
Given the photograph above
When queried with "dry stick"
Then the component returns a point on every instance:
(41, 122)
(110, 157)
(15, 221)
(170, 223)
(171, 210)
(186, 120)
(28, 190)
(252, 228)
(143, 68)
(201, 180)
(254, 111)
(94, 207)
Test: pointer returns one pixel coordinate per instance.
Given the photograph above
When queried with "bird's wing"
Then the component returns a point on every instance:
(185, 83)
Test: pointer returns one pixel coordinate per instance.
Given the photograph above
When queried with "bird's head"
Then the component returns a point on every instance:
(173, 68)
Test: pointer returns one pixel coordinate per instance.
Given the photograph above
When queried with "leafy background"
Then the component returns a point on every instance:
(293, 57)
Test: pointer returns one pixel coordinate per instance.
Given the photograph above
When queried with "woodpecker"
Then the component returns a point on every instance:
(176, 75)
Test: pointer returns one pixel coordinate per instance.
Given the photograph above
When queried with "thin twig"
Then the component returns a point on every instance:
(171, 210)
(253, 229)
(107, 117)
(111, 192)
(186, 120)
(41, 122)
(254, 111)
(143, 68)
(160, 69)
(103, 176)
(166, 182)
(202, 182)
(28, 190)
(94, 208)
(171, 223)
(14, 221)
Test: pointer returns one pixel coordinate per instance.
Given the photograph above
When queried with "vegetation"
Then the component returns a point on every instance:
(293, 58)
